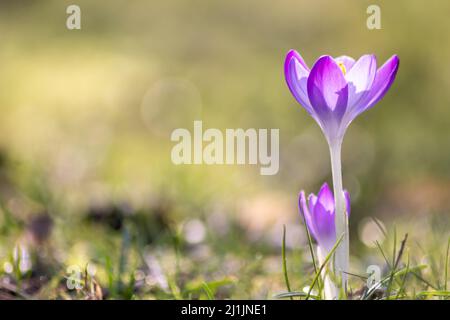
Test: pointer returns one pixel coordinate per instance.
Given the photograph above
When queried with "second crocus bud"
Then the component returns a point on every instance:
(318, 212)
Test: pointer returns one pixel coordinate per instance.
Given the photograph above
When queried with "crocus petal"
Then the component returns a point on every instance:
(294, 54)
(326, 198)
(360, 78)
(309, 219)
(384, 78)
(296, 73)
(347, 61)
(347, 201)
(312, 200)
(325, 226)
(327, 89)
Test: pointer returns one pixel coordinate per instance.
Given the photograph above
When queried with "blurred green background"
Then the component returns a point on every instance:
(86, 118)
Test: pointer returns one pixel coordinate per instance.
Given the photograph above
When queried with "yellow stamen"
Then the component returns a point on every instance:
(341, 65)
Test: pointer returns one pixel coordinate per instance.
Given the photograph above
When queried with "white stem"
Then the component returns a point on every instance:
(341, 219)
(329, 288)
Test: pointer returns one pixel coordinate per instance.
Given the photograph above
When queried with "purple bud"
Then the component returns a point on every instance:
(318, 212)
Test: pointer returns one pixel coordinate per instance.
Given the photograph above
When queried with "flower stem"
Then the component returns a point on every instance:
(341, 219)
(329, 288)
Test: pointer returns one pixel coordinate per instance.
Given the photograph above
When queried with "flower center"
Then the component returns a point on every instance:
(343, 69)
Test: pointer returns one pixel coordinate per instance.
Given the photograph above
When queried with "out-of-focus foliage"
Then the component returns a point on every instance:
(86, 117)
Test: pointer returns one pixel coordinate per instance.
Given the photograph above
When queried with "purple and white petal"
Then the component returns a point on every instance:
(296, 73)
(325, 226)
(346, 61)
(326, 198)
(360, 79)
(307, 215)
(312, 200)
(384, 78)
(327, 88)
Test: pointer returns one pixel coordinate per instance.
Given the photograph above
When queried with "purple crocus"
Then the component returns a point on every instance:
(336, 90)
(318, 212)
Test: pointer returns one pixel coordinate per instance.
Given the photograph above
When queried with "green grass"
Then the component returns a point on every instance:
(228, 266)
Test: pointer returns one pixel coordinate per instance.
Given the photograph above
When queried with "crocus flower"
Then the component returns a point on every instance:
(319, 215)
(318, 212)
(336, 90)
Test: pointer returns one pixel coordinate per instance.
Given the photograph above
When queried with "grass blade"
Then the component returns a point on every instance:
(311, 252)
(446, 265)
(310, 245)
(323, 265)
(396, 260)
(402, 285)
(382, 253)
(208, 291)
(437, 293)
(377, 222)
(283, 254)
(294, 294)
